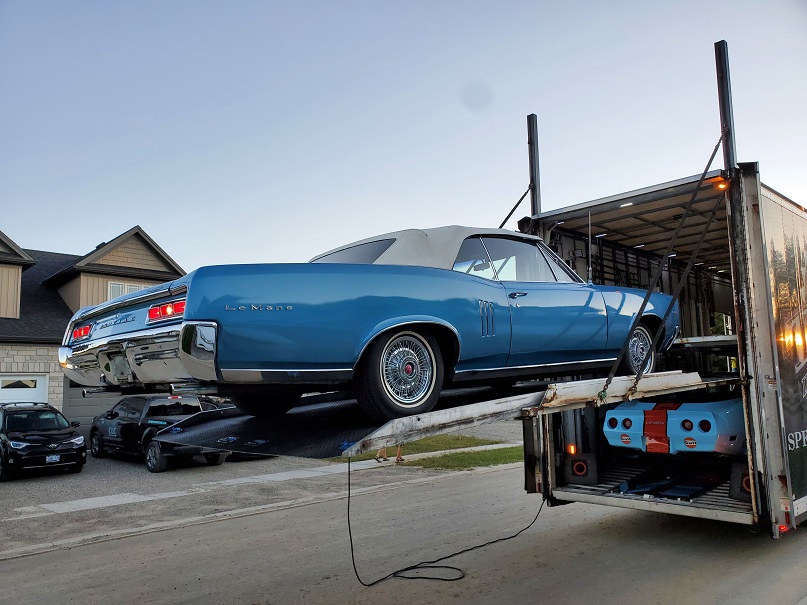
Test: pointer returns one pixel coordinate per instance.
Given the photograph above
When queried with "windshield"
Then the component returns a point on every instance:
(35, 420)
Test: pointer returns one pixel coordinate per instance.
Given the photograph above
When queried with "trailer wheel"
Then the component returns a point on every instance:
(639, 343)
(269, 404)
(401, 375)
(156, 461)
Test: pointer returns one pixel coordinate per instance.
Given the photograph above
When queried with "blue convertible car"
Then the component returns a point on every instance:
(395, 318)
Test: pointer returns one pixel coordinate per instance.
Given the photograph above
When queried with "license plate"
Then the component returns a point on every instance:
(53, 458)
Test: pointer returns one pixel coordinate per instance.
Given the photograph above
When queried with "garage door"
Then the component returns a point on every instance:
(23, 387)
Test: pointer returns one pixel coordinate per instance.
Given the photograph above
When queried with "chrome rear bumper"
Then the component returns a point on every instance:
(176, 353)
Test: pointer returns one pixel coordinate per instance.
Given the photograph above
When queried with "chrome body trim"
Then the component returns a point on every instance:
(197, 350)
(260, 376)
(542, 365)
(666, 346)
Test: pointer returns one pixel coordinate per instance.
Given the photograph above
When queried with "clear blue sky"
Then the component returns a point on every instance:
(270, 131)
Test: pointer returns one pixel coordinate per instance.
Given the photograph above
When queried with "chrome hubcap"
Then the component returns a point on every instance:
(637, 349)
(407, 368)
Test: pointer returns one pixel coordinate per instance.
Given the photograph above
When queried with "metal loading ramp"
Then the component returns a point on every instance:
(556, 398)
(333, 424)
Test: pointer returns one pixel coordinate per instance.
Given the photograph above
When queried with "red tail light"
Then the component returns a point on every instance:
(82, 332)
(686, 425)
(627, 423)
(167, 311)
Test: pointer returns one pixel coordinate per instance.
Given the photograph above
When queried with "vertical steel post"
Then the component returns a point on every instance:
(535, 180)
(738, 229)
(726, 111)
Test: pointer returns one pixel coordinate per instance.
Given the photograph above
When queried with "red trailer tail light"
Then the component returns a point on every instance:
(82, 332)
(579, 468)
(167, 310)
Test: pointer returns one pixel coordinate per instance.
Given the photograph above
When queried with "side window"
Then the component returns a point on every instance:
(122, 409)
(473, 259)
(115, 289)
(516, 260)
(561, 270)
(136, 408)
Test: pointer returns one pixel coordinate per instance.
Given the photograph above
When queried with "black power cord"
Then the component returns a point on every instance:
(425, 564)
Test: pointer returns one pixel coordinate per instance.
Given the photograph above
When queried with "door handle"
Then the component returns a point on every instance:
(516, 294)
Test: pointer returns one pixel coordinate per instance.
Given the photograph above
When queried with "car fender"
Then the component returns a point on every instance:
(403, 322)
(148, 435)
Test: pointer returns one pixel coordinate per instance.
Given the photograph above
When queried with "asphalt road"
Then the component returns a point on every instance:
(275, 530)
(299, 551)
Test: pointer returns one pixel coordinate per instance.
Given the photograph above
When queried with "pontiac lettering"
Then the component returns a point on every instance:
(115, 321)
(252, 307)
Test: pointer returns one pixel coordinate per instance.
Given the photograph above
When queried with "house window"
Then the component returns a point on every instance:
(18, 384)
(117, 288)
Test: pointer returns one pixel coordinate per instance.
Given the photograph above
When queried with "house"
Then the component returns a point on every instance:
(40, 291)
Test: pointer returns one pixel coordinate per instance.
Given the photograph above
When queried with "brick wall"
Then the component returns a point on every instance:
(35, 359)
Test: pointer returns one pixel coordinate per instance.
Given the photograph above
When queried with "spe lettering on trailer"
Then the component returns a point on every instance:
(796, 440)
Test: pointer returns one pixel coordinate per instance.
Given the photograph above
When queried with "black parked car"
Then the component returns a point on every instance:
(130, 427)
(36, 435)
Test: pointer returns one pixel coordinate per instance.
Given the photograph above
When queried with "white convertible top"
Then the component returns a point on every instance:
(436, 247)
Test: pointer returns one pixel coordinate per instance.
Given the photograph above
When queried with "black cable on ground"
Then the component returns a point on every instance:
(425, 564)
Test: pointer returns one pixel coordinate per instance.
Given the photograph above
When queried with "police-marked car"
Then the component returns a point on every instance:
(132, 423)
(37, 435)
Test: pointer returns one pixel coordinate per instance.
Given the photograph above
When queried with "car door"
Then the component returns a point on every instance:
(110, 424)
(555, 317)
(130, 426)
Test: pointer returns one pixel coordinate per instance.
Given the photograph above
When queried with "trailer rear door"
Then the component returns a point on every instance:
(784, 229)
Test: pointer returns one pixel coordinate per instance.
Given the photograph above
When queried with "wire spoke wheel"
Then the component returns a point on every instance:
(407, 368)
(639, 348)
(400, 374)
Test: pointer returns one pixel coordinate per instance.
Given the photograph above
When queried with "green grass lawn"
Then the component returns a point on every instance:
(438, 443)
(451, 460)
(468, 460)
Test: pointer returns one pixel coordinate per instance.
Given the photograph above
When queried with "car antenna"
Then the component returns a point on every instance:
(589, 246)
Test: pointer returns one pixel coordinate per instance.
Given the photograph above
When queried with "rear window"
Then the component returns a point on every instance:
(361, 254)
(174, 407)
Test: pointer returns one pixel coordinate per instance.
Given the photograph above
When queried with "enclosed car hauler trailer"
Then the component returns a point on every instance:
(577, 448)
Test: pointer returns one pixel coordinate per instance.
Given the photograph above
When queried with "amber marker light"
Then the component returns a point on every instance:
(722, 185)
(572, 449)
